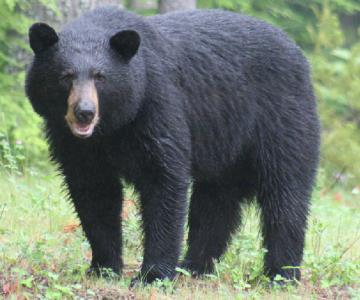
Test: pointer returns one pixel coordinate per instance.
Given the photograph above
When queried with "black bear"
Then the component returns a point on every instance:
(208, 97)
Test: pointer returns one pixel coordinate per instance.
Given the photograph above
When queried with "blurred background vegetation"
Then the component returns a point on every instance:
(327, 30)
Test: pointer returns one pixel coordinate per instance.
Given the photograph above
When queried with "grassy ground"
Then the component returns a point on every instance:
(43, 253)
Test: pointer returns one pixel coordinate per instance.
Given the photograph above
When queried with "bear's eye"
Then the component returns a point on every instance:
(67, 76)
(99, 76)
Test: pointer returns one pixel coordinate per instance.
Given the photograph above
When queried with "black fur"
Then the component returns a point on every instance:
(213, 97)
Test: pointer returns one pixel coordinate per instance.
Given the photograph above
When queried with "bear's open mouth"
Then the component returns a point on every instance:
(82, 130)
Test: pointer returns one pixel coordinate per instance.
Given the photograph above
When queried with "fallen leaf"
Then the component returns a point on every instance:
(227, 278)
(153, 294)
(67, 241)
(338, 197)
(6, 288)
(128, 204)
(88, 255)
(70, 228)
(9, 288)
(53, 267)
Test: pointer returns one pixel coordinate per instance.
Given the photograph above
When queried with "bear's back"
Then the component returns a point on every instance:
(219, 49)
(222, 28)
(236, 70)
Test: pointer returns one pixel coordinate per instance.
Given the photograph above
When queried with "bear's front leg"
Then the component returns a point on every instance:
(97, 196)
(163, 204)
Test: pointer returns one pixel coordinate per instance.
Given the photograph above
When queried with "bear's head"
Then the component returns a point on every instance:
(88, 79)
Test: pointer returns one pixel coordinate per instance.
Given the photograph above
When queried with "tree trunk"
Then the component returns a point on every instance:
(141, 4)
(171, 5)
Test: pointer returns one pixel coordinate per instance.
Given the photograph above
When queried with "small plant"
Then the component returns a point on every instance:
(12, 157)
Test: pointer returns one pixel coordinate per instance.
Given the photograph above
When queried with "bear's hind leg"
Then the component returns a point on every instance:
(214, 216)
(283, 226)
(285, 184)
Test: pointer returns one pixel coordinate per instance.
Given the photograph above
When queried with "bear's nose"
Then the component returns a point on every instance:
(84, 112)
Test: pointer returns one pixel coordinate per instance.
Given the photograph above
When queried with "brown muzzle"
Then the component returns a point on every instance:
(83, 108)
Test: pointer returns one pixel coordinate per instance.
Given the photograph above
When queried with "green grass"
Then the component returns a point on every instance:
(44, 255)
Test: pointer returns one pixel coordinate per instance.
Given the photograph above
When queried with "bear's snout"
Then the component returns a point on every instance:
(85, 111)
(82, 113)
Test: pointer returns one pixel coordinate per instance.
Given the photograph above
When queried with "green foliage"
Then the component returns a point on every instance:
(19, 127)
(294, 16)
(336, 73)
(327, 32)
(12, 157)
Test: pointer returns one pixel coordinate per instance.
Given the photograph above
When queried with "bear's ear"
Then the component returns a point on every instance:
(126, 43)
(42, 37)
